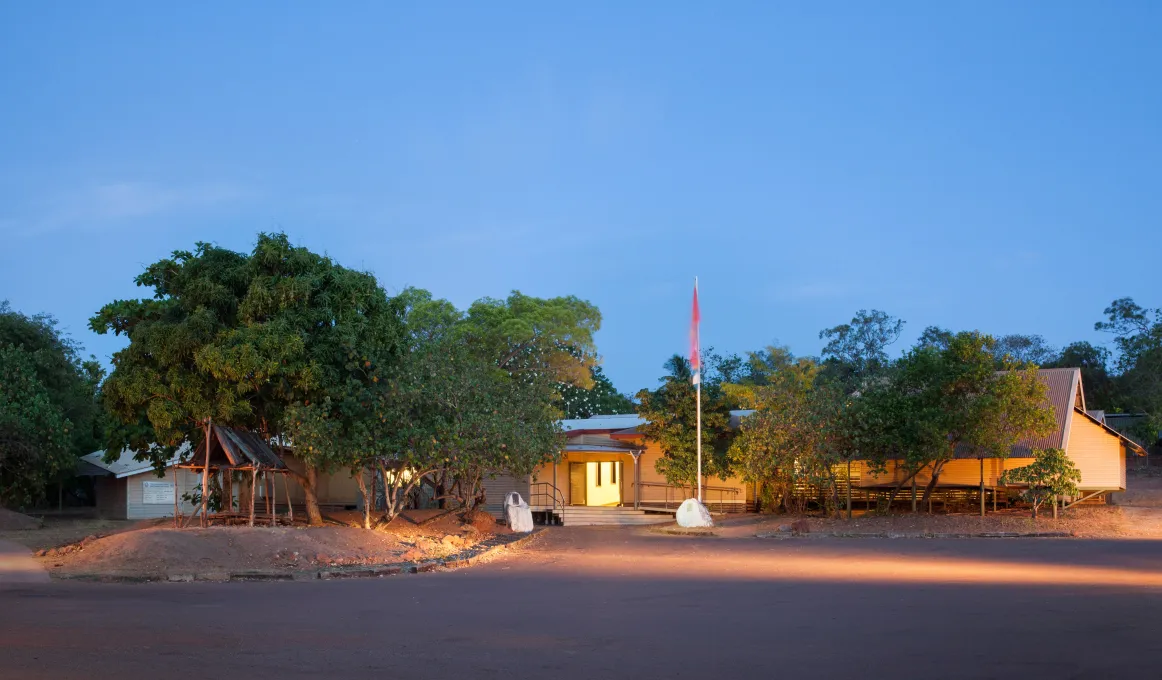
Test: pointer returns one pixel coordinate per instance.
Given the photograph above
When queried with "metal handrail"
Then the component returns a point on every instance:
(733, 491)
(549, 491)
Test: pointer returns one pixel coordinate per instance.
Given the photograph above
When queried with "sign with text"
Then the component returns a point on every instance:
(157, 493)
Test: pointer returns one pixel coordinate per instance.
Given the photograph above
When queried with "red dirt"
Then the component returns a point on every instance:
(160, 551)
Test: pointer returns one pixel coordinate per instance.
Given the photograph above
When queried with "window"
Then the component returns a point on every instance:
(613, 473)
(598, 466)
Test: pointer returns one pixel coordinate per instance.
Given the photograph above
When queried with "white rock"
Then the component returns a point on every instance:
(691, 513)
(517, 513)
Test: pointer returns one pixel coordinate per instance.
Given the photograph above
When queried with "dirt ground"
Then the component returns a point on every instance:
(1137, 514)
(61, 531)
(155, 549)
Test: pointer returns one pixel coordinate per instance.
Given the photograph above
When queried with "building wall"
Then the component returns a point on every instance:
(497, 488)
(649, 474)
(110, 495)
(334, 488)
(1098, 455)
(133, 489)
(961, 472)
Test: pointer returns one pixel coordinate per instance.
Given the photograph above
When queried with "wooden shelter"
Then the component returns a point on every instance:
(228, 450)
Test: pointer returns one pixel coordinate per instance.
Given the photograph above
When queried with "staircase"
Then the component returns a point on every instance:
(580, 515)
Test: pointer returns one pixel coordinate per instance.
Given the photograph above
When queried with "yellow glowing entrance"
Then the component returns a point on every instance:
(595, 483)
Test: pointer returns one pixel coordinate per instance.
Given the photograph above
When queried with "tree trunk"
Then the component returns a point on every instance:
(1054, 499)
(902, 482)
(253, 493)
(931, 486)
(308, 481)
(367, 498)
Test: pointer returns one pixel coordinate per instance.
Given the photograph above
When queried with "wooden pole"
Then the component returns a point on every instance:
(849, 489)
(270, 495)
(253, 493)
(176, 472)
(913, 493)
(982, 487)
(206, 477)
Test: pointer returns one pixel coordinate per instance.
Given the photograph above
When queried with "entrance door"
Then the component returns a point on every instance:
(577, 484)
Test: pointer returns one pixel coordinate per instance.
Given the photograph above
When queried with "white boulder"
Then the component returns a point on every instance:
(692, 513)
(517, 513)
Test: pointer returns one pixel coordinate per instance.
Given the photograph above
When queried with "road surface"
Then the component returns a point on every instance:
(596, 603)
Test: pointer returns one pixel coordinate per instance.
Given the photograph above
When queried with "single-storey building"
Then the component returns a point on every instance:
(607, 474)
(130, 489)
(1098, 451)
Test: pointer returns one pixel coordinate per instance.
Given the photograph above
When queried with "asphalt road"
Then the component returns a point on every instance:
(599, 604)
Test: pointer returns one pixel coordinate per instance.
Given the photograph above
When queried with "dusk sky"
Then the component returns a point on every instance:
(973, 165)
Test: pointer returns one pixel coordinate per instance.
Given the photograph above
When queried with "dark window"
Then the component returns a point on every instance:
(613, 473)
(598, 483)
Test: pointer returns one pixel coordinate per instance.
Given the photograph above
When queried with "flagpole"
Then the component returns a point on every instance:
(698, 399)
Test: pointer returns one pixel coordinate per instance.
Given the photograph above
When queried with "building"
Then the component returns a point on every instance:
(1098, 451)
(130, 489)
(607, 474)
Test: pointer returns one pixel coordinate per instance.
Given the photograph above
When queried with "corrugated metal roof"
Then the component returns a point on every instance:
(125, 466)
(607, 422)
(603, 443)
(1064, 387)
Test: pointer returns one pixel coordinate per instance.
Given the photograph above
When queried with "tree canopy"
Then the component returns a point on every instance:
(49, 413)
(239, 339)
(671, 412)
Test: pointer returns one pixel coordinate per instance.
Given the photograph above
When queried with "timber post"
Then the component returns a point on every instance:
(849, 489)
(206, 475)
(982, 487)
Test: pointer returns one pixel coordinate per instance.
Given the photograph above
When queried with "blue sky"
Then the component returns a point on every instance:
(975, 165)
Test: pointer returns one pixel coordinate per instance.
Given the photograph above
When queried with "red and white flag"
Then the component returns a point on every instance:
(695, 355)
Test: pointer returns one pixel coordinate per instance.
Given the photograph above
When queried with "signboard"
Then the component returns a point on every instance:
(157, 493)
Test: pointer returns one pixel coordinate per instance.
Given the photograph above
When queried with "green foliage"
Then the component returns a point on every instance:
(856, 352)
(70, 383)
(240, 339)
(528, 334)
(1137, 334)
(35, 435)
(671, 414)
(939, 400)
(1093, 361)
(1023, 350)
(781, 443)
(602, 398)
(1051, 475)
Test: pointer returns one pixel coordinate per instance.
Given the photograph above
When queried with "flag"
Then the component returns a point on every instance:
(695, 355)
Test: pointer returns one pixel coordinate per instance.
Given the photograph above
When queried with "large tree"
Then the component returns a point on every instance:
(239, 339)
(1023, 350)
(601, 398)
(70, 382)
(856, 352)
(538, 335)
(1137, 335)
(671, 412)
(35, 435)
(1094, 363)
(951, 401)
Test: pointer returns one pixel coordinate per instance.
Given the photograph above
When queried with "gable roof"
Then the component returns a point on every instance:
(234, 448)
(1067, 397)
(125, 465)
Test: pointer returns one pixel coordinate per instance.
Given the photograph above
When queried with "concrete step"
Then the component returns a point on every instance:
(609, 516)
